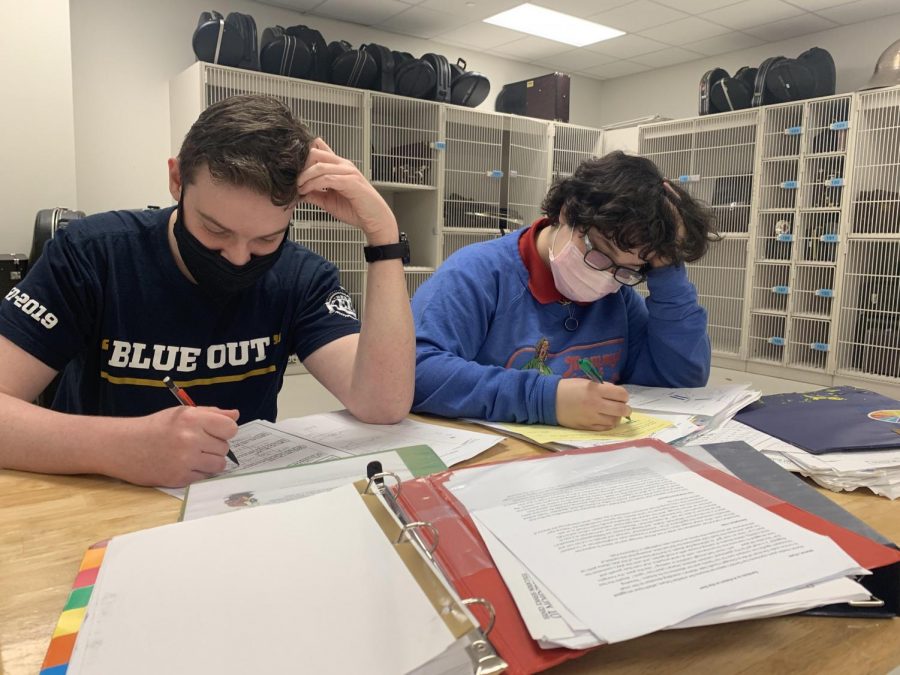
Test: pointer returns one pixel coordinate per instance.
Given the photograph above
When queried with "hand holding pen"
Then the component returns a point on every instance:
(186, 400)
(594, 374)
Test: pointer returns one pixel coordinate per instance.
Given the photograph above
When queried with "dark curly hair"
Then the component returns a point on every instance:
(625, 199)
(248, 141)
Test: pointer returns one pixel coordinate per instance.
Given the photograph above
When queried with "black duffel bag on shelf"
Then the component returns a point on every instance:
(227, 41)
(467, 88)
(721, 93)
(781, 80)
(385, 64)
(413, 77)
(320, 56)
(442, 88)
(777, 80)
(283, 54)
(352, 67)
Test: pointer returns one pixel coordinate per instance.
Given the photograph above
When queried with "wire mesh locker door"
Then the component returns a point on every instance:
(719, 278)
(722, 175)
(870, 309)
(407, 156)
(527, 177)
(473, 172)
(869, 339)
(571, 146)
(405, 141)
(669, 146)
(767, 340)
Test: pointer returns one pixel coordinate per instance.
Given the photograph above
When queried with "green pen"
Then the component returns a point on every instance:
(591, 371)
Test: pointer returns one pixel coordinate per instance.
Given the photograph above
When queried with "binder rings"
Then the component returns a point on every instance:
(468, 565)
(440, 546)
(468, 644)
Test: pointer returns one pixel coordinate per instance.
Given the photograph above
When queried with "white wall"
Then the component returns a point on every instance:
(37, 137)
(673, 91)
(125, 52)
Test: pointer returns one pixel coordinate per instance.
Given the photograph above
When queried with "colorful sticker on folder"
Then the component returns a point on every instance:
(892, 416)
(56, 660)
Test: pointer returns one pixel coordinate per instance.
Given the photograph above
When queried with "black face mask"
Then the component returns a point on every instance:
(213, 273)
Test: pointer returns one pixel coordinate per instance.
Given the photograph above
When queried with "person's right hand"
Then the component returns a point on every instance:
(177, 446)
(584, 404)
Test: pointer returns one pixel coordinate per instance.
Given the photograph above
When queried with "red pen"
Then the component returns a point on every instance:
(184, 399)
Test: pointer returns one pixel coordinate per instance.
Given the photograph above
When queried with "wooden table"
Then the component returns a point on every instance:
(47, 522)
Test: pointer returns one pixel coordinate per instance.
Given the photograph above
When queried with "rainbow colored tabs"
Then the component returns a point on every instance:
(56, 661)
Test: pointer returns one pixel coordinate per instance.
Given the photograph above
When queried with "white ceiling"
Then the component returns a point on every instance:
(659, 32)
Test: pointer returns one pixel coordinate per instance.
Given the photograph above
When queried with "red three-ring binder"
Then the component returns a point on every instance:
(465, 560)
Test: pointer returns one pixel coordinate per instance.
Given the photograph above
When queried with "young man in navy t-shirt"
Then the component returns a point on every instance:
(209, 293)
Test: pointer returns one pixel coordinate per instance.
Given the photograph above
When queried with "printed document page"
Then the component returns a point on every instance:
(342, 431)
(311, 585)
(231, 493)
(260, 445)
(631, 541)
(706, 401)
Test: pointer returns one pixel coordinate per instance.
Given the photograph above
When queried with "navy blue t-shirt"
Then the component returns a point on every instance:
(107, 305)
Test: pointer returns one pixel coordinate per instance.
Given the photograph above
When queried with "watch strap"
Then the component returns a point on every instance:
(386, 252)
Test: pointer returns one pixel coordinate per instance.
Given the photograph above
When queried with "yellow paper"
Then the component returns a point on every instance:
(641, 426)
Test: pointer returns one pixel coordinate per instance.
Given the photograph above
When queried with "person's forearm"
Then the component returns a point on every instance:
(672, 349)
(44, 441)
(384, 370)
(451, 386)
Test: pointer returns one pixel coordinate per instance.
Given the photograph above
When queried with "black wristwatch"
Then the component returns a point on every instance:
(389, 251)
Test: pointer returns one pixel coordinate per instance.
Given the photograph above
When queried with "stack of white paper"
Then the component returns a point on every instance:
(878, 470)
(261, 445)
(605, 547)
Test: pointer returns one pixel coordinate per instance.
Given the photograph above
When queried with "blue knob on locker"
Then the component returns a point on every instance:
(777, 341)
(785, 236)
(793, 131)
(824, 293)
(790, 184)
(834, 182)
(438, 145)
(495, 173)
(829, 238)
(819, 346)
(839, 126)
(781, 290)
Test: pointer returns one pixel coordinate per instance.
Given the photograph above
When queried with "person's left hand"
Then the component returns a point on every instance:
(337, 186)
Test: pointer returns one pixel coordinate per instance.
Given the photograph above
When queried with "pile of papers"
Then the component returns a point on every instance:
(666, 414)
(632, 542)
(879, 470)
(261, 445)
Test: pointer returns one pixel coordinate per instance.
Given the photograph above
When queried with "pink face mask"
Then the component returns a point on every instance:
(574, 279)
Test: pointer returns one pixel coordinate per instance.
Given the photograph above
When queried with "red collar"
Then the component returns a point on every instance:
(540, 278)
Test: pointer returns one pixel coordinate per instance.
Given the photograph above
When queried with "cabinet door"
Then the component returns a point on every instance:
(473, 178)
(529, 167)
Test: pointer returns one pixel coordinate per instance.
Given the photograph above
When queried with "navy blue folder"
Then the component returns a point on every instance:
(836, 419)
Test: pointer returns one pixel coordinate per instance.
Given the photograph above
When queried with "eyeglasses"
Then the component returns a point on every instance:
(601, 262)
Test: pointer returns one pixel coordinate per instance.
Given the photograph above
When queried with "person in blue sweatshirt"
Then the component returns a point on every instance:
(502, 325)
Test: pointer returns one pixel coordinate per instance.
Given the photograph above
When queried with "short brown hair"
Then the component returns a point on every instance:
(248, 141)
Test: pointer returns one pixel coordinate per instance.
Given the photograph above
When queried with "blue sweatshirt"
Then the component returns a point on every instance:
(487, 348)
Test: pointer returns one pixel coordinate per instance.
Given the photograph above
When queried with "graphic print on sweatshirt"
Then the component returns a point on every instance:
(606, 356)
